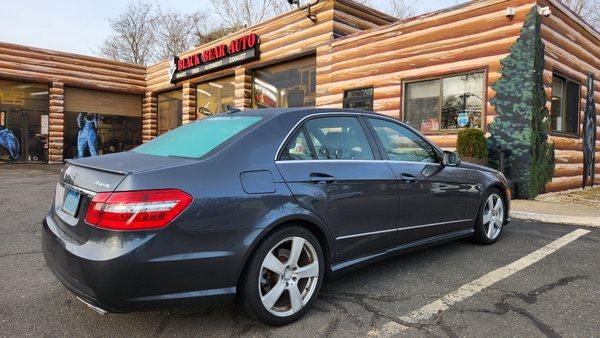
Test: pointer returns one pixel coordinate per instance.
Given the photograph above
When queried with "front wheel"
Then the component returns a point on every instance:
(490, 218)
(284, 276)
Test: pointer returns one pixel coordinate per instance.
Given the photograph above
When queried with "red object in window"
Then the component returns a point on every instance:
(137, 210)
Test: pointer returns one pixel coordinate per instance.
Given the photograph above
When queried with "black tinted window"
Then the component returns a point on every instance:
(401, 144)
(297, 148)
(339, 138)
(359, 99)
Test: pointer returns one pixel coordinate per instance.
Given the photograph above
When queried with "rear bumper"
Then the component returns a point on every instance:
(134, 272)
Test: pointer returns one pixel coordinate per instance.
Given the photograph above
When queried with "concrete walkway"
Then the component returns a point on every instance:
(563, 213)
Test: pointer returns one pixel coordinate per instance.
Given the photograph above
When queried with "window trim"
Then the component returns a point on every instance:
(375, 150)
(567, 79)
(381, 146)
(372, 97)
(369, 133)
(484, 71)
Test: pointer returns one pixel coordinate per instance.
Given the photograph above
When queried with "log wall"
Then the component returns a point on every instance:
(282, 39)
(572, 50)
(471, 37)
(56, 122)
(45, 66)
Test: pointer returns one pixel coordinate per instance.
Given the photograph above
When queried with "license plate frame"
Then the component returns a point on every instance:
(71, 202)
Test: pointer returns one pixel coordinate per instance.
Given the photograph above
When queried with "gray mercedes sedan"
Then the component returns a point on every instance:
(262, 205)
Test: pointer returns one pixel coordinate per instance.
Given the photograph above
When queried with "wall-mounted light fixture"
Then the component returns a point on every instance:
(310, 15)
(545, 11)
(510, 12)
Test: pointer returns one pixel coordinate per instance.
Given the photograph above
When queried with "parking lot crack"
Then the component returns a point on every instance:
(361, 300)
(32, 252)
(504, 305)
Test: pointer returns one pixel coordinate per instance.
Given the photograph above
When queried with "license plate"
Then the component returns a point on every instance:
(71, 203)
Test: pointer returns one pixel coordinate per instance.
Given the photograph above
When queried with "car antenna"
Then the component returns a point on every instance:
(231, 110)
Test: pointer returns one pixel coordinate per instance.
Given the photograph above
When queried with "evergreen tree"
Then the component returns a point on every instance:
(521, 126)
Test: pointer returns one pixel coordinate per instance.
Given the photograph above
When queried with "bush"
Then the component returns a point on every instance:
(472, 143)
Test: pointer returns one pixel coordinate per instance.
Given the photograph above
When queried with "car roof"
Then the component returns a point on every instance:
(300, 112)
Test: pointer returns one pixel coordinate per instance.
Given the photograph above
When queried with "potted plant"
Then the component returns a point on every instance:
(472, 146)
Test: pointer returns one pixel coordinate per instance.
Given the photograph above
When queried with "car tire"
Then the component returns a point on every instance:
(492, 213)
(292, 276)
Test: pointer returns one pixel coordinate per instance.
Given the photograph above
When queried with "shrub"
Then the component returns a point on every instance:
(472, 143)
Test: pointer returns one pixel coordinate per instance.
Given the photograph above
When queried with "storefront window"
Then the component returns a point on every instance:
(114, 134)
(169, 110)
(359, 99)
(564, 115)
(448, 103)
(213, 97)
(290, 84)
(24, 114)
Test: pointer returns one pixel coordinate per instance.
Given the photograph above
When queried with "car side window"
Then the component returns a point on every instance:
(297, 148)
(402, 144)
(339, 138)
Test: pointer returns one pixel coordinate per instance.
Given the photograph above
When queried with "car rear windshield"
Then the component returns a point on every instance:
(196, 139)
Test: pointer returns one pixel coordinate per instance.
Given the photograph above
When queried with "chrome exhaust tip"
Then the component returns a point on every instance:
(93, 307)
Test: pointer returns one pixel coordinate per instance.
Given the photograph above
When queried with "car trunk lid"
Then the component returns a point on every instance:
(80, 180)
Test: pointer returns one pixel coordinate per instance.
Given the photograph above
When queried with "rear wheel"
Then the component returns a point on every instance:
(490, 218)
(284, 276)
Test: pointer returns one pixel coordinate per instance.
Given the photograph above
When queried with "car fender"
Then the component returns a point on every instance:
(289, 213)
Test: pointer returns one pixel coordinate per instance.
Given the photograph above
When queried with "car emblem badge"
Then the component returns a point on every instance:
(102, 185)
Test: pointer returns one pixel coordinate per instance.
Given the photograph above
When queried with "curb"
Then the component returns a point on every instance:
(558, 219)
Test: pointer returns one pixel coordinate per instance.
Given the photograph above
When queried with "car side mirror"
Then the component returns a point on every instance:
(451, 158)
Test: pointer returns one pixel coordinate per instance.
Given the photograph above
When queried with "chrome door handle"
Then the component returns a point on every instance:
(322, 178)
(407, 177)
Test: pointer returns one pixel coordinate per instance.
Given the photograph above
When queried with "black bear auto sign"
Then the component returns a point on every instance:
(237, 51)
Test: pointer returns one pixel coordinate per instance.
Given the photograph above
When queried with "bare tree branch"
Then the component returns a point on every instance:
(176, 32)
(589, 10)
(133, 35)
(245, 13)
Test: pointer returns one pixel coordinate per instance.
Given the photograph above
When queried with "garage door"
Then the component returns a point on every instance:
(90, 101)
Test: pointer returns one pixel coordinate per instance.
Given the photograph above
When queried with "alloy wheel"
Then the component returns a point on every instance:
(493, 216)
(288, 276)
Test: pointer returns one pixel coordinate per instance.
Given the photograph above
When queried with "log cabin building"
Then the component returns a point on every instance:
(436, 72)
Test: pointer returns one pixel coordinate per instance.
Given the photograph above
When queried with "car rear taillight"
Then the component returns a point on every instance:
(136, 210)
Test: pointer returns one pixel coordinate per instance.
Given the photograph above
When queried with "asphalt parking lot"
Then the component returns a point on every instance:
(556, 294)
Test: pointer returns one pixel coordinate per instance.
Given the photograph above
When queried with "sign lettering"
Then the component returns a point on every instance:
(240, 50)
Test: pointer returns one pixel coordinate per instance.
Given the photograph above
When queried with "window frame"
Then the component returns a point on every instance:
(229, 141)
(299, 59)
(436, 150)
(301, 125)
(484, 71)
(566, 80)
(156, 96)
(216, 79)
(371, 97)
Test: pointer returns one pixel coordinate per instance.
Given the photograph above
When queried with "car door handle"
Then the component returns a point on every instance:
(322, 178)
(407, 177)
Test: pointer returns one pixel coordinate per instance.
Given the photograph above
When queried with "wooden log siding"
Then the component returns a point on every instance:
(56, 122)
(149, 116)
(287, 36)
(189, 103)
(41, 65)
(451, 42)
(243, 88)
(571, 50)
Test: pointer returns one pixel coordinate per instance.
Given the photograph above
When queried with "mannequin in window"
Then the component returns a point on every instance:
(10, 142)
(86, 139)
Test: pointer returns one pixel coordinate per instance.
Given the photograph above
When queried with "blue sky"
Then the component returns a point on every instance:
(79, 26)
